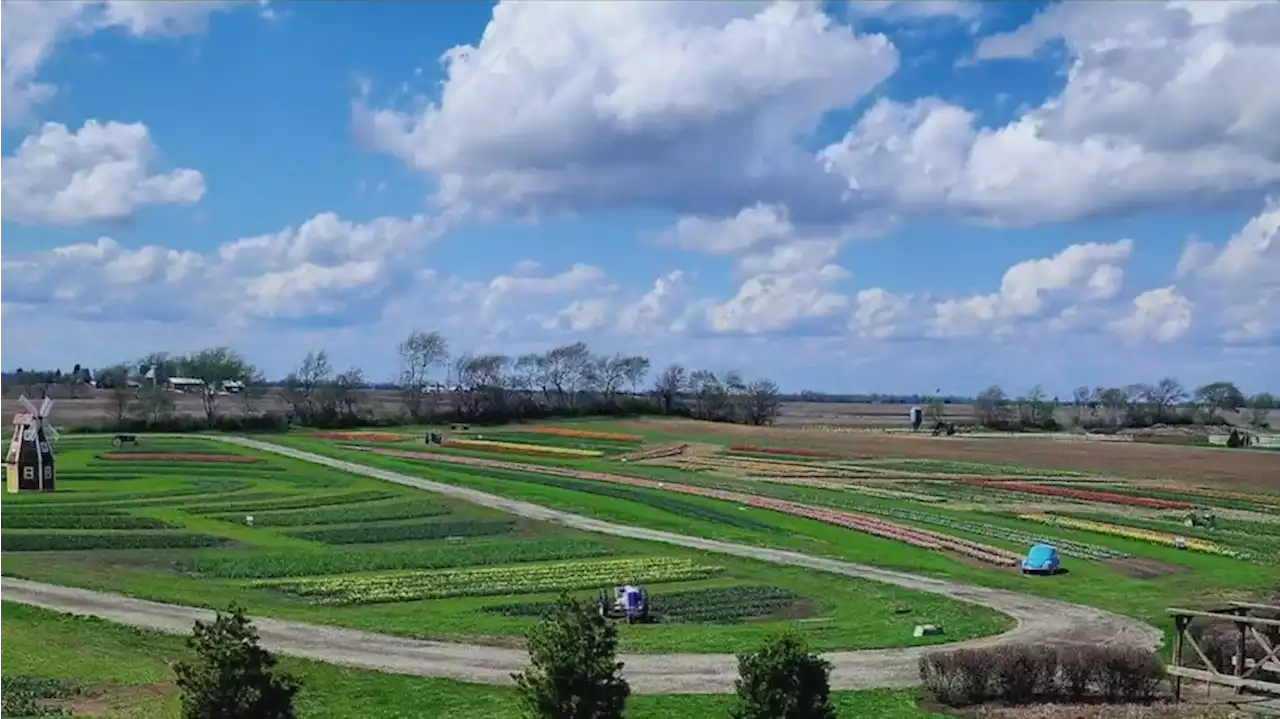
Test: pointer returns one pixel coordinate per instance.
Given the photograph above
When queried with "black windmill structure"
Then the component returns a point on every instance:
(29, 460)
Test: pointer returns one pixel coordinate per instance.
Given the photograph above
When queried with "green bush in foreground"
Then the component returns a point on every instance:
(232, 677)
(783, 680)
(574, 672)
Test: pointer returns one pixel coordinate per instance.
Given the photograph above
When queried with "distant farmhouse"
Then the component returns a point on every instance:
(191, 384)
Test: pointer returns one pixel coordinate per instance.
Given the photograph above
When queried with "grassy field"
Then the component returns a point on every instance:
(168, 523)
(119, 673)
(171, 521)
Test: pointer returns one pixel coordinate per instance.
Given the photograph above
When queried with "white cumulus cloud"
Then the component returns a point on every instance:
(99, 172)
(690, 106)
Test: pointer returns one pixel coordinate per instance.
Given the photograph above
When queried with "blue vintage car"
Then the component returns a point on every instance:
(1041, 559)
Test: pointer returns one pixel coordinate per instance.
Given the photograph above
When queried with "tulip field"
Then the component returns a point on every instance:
(1119, 538)
(295, 540)
(485, 445)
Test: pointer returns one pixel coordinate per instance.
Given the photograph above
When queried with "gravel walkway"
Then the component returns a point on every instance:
(1039, 620)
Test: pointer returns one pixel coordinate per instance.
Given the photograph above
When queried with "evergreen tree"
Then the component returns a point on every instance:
(232, 677)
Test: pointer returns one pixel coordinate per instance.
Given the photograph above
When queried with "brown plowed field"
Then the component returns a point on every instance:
(1227, 468)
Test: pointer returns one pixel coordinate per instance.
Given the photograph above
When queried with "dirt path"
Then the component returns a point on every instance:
(1039, 620)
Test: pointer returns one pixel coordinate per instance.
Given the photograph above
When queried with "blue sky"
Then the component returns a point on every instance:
(885, 196)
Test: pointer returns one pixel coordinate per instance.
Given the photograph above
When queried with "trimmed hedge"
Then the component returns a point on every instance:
(1020, 673)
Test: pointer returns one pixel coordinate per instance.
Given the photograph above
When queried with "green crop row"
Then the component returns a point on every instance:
(277, 502)
(188, 489)
(403, 532)
(62, 541)
(12, 509)
(489, 581)
(721, 605)
(343, 514)
(81, 521)
(259, 564)
(672, 505)
(151, 467)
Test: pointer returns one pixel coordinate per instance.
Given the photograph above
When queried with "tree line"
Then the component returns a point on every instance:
(1166, 402)
(432, 383)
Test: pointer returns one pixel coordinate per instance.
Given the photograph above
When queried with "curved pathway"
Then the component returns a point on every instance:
(1039, 620)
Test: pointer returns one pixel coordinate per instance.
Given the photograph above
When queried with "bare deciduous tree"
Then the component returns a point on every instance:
(764, 405)
(303, 386)
(115, 380)
(420, 354)
(1260, 406)
(668, 386)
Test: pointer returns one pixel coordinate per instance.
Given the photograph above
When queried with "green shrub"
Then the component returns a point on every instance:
(232, 677)
(783, 680)
(574, 672)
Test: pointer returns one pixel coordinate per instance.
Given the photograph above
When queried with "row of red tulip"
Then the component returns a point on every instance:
(1081, 494)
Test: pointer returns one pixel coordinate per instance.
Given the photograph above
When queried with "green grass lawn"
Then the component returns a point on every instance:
(187, 543)
(1189, 579)
(127, 674)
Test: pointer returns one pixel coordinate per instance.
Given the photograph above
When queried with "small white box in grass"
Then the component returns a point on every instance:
(927, 630)
(1180, 542)
(248, 519)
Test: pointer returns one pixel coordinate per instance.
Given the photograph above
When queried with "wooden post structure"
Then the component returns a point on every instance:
(1242, 676)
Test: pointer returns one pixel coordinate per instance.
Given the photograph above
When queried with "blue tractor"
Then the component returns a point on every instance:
(629, 602)
(1041, 559)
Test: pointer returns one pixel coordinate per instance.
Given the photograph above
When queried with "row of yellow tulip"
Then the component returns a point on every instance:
(1119, 530)
(488, 445)
(586, 434)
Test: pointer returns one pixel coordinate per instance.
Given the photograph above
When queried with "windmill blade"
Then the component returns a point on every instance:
(51, 432)
(45, 406)
(27, 404)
